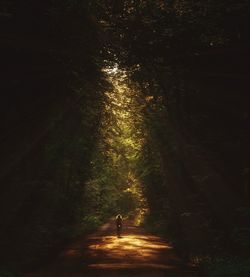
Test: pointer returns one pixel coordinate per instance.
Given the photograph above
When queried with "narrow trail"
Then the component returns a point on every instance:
(136, 253)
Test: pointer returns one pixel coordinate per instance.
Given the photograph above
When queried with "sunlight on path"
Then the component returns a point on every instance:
(102, 254)
(129, 251)
(133, 250)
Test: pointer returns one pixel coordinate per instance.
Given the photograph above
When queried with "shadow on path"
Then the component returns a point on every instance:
(136, 253)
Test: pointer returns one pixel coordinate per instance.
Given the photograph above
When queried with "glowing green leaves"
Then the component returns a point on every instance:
(121, 139)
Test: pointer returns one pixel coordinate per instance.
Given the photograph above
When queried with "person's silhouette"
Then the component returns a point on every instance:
(118, 225)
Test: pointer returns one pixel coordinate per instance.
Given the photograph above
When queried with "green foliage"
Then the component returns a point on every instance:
(179, 52)
(156, 223)
(55, 113)
(114, 184)
(83, 143)
(127, 203)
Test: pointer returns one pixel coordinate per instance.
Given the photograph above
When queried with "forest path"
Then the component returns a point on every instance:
(136, 253)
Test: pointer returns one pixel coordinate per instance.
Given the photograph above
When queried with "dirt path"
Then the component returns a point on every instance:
(136, 253)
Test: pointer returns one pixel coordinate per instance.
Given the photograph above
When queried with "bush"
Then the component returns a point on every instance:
(88, 224)
(156, 225)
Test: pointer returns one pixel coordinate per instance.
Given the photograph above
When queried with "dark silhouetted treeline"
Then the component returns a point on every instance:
(190, 60)
(51, 100)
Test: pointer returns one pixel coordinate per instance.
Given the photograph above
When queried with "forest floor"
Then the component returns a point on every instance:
(136, 253)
